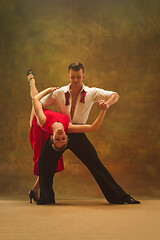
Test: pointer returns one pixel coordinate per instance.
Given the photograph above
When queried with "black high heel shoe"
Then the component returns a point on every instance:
(28, 73)
(33, 195)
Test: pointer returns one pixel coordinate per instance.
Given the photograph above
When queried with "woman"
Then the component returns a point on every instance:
(37, 138)
(46, 123)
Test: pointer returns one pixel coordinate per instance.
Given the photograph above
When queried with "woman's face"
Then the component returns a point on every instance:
(59, 138)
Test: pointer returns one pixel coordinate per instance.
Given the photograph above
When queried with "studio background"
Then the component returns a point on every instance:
(119, 44)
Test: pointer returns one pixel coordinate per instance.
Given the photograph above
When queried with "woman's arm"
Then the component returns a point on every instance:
(88, 128)
(38, 107)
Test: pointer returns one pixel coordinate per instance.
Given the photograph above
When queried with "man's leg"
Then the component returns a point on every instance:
(84, 150)
(47, 166)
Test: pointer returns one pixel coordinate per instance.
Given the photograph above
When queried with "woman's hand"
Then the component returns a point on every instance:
(52, 89)
(102, 104)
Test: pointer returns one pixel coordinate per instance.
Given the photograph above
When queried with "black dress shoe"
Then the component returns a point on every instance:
(33, 195)
(128, 199)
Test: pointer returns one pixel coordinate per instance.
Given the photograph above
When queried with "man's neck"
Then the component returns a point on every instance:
(75, 90)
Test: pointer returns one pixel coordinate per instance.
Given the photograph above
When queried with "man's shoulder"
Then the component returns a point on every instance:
(91, 89)
(61, 90)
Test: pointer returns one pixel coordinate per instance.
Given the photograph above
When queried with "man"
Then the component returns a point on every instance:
(76, 100)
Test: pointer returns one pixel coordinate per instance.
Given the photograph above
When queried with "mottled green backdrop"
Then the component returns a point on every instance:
(118, 42)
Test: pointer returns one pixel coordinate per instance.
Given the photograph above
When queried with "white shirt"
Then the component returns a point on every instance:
(82, 110)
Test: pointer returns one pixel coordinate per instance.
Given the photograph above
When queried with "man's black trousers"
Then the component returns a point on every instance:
(80, 145)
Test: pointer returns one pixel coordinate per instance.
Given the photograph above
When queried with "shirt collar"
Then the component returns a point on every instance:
(67, 89)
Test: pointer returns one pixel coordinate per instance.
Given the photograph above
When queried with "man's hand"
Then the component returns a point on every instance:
(103, 105)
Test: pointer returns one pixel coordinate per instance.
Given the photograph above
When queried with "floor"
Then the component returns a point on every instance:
(79, 219)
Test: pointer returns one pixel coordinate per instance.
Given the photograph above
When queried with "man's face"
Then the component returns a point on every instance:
(76, 77)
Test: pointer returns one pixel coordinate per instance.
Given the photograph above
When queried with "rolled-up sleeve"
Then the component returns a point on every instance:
(101, 94)
(49, 99)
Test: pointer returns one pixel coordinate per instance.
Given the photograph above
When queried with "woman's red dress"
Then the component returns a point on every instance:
(39, 136)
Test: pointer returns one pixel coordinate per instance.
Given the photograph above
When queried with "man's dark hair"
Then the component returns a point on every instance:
(76, 67)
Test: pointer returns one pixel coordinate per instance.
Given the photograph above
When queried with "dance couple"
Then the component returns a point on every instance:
(52, 133)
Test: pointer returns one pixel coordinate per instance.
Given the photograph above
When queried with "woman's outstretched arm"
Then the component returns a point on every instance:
(89, 128)
(38, 107)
